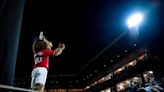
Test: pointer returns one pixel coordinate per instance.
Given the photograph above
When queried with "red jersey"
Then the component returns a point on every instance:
(41, 59)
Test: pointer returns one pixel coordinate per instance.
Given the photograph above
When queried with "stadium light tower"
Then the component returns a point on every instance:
(133, 22)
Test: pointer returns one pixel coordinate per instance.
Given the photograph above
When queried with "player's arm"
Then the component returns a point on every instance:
(59, 50)
(55, 52)
(48, 52)
(33, 46)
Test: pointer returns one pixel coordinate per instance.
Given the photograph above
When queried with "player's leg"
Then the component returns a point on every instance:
(32, 82)
(38, 87)
(33, 75)
(40, 80)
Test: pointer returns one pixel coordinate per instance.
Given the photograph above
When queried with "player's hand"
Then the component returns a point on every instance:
(50, 44)
(58, 51)
(62, 46)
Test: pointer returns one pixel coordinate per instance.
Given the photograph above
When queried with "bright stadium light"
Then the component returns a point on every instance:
(134, 20)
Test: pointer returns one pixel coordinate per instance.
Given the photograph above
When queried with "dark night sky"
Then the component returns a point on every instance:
(85, 26)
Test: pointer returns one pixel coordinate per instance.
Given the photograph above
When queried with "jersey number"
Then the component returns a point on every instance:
(38, 59)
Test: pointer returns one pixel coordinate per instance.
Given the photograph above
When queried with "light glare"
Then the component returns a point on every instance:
(134, 20)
